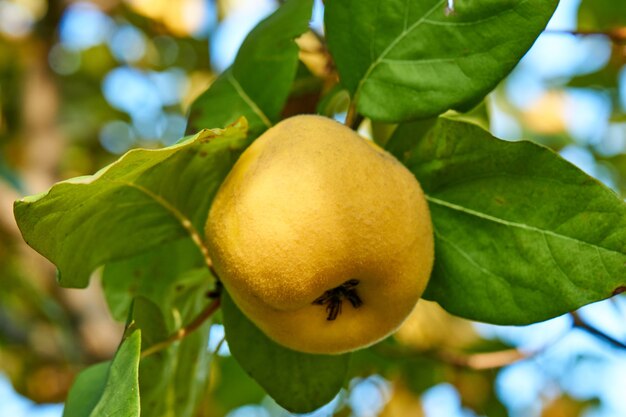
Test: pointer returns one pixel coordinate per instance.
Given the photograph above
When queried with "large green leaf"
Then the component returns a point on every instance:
(299, 382)
(521, 235)
(258, 83)
(145, 199)
(406, 59)
(108, 389)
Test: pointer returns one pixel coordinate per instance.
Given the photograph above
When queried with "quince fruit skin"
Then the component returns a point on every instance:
(310, 215)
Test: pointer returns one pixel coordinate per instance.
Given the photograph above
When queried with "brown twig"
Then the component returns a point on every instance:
(491, 360)
(219, 345)
(184, 331)
(476, 361)
(578, 322)
(483, 361)
(351, 116)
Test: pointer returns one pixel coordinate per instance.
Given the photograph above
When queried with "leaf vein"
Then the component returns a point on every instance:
(558, 265)
(393, 44)
(603, 263)
(469, 258)
(472, 261)
(514, 224)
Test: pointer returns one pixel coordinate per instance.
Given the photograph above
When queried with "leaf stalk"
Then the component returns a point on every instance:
(184, 331)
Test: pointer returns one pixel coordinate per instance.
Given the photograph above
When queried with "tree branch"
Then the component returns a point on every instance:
(476, 361)
(492, 360)
(184, 331)
(482, 361)
(219, 345)
(583, 325)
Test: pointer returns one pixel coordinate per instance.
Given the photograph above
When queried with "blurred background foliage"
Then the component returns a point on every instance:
(81, 82)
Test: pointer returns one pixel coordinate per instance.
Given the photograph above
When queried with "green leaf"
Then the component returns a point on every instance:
(190, 380)
(337, 100)
(153, 370)
(147, 316)
(479, 115)
(521, 235)
(404, 59)
(108, 389)
(226, 100)
(258, 83)
(193, 355)
(601, 14)
(145, 199)
(299, 382)
(229, 375)
(86, 390)
(153, 274)
(169, 294)
(400, 145)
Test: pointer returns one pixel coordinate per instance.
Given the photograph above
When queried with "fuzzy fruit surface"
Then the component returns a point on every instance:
(307, 208)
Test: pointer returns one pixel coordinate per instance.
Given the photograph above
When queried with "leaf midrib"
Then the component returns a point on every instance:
(392, 45)
(407, 30)
(246, 98)
(183, 220)
(494, 219)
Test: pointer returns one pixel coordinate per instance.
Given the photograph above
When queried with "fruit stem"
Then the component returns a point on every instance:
(350, 117)
(184, 331)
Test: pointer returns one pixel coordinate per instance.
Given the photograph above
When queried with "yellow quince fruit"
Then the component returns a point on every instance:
(322, 239)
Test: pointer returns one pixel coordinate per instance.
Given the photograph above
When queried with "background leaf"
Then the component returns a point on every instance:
(154, 369)
(192, 355)
(109, 390)
(403, 59)
(299, 382)
(601, 14)
(385, 358)
(154, 275)
(87, 390)
(145, 199)
(229, 374)
(521, 235)
(258, 83)
(170, 291)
